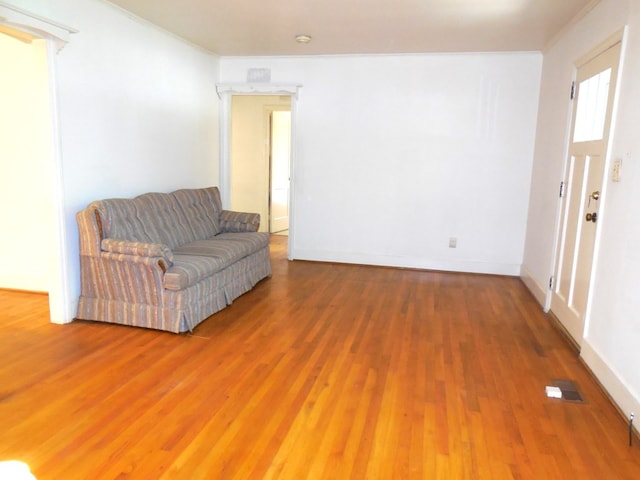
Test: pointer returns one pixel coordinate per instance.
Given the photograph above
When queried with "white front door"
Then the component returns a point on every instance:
(583, 189)
(280, 159)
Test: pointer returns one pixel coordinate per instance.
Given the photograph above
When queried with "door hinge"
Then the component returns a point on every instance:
(573, 90)
(551, 282)
(561, 189)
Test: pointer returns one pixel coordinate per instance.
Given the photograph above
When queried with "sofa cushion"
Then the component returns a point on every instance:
(170, 224)
(172, 219)
(137, 248)
(201, 207)
(151, 218)
(197, 260)
(123, 219)
(188, 270)
(228, 247)
(239, 221)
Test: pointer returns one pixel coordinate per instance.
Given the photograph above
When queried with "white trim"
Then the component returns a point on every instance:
(417, 263)
(557, 227)
(617, 38)
(225, 91)
(62, 308)
(257, 89)
(627, 400)
(225, 149)
(569, 25)
(538, 292)
(148, 24)
(35, 25)
(292, 176)
(608, 43)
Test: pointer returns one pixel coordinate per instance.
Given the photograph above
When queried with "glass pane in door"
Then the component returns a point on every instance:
(592, 107)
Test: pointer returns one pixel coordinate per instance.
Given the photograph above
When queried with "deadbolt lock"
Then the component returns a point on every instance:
(595, 195)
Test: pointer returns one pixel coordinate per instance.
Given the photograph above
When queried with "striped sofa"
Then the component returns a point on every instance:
(167, 260)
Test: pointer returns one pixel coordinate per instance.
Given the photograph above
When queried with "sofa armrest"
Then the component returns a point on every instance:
(122, 277)
(239, 221)
(138, 249)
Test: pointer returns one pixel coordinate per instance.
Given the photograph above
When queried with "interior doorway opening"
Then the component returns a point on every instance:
(260, 158)
(27, 160)
(50, 37)
(227, 92)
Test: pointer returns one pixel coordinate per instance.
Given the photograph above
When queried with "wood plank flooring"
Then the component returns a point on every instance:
(323, 371)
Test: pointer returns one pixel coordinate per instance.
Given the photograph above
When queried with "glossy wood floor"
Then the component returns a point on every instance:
(321, 372)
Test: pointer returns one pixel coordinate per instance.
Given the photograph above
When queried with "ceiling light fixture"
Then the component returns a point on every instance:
(303, 38)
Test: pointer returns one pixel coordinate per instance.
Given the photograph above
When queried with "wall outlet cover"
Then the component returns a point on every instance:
(616, 171)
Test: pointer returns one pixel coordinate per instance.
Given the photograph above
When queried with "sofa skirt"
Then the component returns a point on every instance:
(182, 310)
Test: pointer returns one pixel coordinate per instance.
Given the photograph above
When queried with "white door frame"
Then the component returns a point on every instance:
(56, 36)
(618, 37)
(225, 92)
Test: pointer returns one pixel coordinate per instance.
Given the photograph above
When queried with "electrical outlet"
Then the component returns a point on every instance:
(453, 242)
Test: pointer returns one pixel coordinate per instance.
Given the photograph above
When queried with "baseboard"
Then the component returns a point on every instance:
(24, 283)
(356, 258)
(20, 290)
(538, 292)
(62, 309)
(624, 398)
(563, 331)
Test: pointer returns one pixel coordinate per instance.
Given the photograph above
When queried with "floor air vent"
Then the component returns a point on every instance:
(565, 390)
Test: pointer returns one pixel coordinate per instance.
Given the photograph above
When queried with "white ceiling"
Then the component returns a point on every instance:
(268, 27)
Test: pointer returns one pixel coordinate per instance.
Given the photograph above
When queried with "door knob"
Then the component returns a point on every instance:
(592, 217)
(595, 196)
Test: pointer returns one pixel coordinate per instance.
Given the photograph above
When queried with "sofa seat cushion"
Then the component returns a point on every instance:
(188, 270)
(229, 247)
(197, 260)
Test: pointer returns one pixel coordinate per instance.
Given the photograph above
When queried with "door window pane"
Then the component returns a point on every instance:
(593, 94)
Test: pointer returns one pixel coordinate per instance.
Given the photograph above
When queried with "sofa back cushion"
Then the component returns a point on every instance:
(171, 219)
(201, 207)
(169, 222)
(123, 219)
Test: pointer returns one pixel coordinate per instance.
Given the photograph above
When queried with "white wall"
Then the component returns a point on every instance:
(137, 108)
(612, 335)
(395, 154)
(25, 159)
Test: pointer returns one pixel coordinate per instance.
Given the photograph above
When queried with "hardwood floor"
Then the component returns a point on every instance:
(323, 371)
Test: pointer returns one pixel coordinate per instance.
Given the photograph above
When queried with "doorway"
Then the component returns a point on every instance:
(27, 161)
(50, 37)
(584, 188)
(260, 157)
